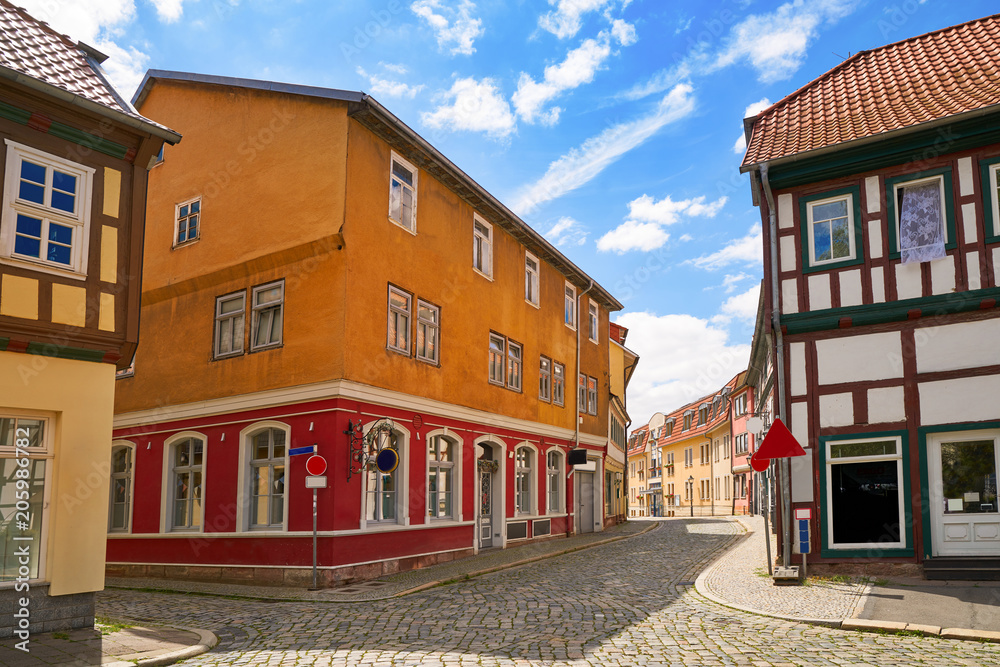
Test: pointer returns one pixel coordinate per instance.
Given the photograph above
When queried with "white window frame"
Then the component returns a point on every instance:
(558, 383)
(129, 475)
(482, 247)
(240, 314)
(276, 306)
(555, 478)
(428, 328)
(896, 187)
(994, 170)
(502, 363)
(455, 469)
(581, 393)
(902, 495)
(79, 220)
(44, 452)
(243, 513)
(515, 365)
(531, 472)
(849, 198)
(177, 222)
(168, 486)
(594, 320)
(544, 379)
(404, 316)
(532, 281)
(410, 226)
(569, 305)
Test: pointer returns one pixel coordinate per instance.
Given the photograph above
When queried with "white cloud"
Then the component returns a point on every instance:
(169, 10)
(566, 20)
(388, 87)
(623, 32)
(752, 110)
(681, 358)
(730, 282)
(748, 250)
(395, 69)
(567, 231)
(581, 164)
(742, 307)
(454, 27)
(578, 68)
(686, 238)
(477, 106)
(643, 228)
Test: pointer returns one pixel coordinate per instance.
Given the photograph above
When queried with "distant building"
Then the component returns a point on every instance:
(622, 365)
(75, 158)
(642, 501)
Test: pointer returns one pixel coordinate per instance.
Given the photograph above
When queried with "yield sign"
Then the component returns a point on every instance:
(779, 443)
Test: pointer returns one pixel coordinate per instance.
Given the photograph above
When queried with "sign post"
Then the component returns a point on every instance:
(779, 443)
(315, 467)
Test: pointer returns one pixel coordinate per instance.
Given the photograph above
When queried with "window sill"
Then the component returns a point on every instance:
(265, 348)
(488, 276)
(231, 355)
(184, 244)
(43, 268)
(402, 226)
(533, 304)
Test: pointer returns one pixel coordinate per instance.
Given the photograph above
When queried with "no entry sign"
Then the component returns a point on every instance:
(315, 465)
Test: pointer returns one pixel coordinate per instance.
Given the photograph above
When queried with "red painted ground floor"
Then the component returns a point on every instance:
(206, 492)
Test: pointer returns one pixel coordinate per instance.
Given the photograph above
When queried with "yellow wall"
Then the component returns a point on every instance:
(79, 397)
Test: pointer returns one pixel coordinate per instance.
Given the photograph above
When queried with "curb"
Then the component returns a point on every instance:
(206, 641)
(526, 561)
(851, 623)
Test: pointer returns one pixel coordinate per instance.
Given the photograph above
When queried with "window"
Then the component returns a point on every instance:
(668, 428)
(592, 395)
(119, 515)
(831, 226)
(186, 484)
(530, 278)
(740, 405)
(544, 379)
(558, 383)
(522, 480)
(399, 321)
(23, 493)
(689, 457)
(230, 318)
(569, 309)
(268, 302)
(46, 212)
(428, 329)
(267, 479)
(594, 323)
(581, 393)
(920, 205)
(687, 421)
(403, 194)
(482, 246)
(514, 365)
(554, 473)
(440, 477)
(702, 416)
(864, 480)
(186, 221)
(383, 502)
(498, 346)
(990, 171)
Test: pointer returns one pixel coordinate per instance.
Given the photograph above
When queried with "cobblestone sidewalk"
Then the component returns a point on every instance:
(403, 582)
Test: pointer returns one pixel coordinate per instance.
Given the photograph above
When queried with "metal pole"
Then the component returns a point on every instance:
(314, 540)
(767, 530)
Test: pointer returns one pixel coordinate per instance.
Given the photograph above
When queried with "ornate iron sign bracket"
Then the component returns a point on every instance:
(363, 448)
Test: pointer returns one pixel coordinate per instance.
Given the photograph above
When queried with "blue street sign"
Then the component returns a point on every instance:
(295, 451)
(804, 540)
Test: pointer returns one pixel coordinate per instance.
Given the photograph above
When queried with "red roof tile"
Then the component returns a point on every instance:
(940, 74)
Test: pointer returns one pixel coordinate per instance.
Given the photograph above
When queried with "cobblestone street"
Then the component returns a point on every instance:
(631, 602)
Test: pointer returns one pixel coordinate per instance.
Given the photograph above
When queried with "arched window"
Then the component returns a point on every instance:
(121, 488)
(523, 464)
(185, 487)
(267, 479)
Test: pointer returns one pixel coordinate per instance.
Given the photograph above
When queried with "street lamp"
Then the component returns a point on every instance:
(691, 492)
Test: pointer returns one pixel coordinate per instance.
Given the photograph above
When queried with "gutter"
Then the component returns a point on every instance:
(783, 464)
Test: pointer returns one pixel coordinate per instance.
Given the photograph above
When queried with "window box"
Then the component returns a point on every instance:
(832, 230)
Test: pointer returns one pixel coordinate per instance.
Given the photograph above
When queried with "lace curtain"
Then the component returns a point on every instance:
(921, 229)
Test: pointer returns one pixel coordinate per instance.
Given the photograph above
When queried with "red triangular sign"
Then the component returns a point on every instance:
(779, 443)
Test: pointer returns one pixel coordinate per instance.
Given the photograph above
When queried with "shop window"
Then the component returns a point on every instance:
(864, 480)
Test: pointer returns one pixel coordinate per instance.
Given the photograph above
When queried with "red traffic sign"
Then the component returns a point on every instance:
(779, 443)
(315, 465)
(760, 465)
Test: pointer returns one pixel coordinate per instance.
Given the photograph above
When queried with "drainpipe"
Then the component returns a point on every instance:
(783, 464)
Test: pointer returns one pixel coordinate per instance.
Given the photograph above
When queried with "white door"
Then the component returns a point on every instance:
(586, 502)
(962, 470)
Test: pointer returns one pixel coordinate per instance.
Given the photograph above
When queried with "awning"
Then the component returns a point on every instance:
(742, 468)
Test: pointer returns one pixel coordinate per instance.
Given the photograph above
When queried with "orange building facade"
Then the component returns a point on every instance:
(317, 274)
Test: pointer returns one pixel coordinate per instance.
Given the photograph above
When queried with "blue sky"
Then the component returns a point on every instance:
(614, 127)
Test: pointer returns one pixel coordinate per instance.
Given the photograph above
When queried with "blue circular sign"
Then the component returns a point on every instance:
(386, 460)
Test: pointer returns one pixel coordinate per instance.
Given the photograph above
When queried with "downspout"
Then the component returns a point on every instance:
(783, 464)
(579, 300)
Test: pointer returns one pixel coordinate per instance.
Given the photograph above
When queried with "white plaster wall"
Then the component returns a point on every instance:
(789, 296)
(819, 292)
(955, 346)
(908, 285)
(996, 266)
(872, 195)
(800, 424)
(965, 176)
(969, 223)
(875, 238)
(965, 399)
(885, 404)
(878, 284)
(943, 275)
(801, 468)
(972, 267)
(787, 253)
(859, 358)
(836, 410)
(797, 368)
(850, 288)
(785, 217)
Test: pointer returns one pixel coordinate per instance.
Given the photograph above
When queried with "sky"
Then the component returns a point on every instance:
(613, 127)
